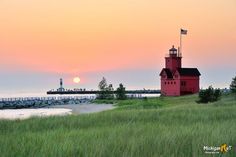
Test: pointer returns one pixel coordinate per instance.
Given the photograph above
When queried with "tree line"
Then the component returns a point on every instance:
(106, 91)
(210, 94)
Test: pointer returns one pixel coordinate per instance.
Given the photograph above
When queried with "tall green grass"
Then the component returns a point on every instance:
(175, 126)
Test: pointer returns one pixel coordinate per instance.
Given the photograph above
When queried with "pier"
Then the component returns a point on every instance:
(96, 92)
(62, 91)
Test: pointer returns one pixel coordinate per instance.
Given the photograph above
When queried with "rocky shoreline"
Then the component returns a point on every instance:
(39, 103)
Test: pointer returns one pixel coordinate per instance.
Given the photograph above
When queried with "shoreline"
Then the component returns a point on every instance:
(85, 108)
(14, 114)
(56, 110)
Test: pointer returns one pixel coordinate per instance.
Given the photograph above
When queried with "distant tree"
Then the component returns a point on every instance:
(102, 86)
(110, 92)
(105, 91)
(209, 95)
(120, 92)
(233, 85)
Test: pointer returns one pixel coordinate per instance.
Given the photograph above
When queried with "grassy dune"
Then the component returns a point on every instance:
(167, 127)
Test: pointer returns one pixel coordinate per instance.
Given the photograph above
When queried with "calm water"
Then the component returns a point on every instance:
(43, 94)
(21, 94)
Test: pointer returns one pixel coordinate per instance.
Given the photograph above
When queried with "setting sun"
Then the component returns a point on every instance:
(76, 80)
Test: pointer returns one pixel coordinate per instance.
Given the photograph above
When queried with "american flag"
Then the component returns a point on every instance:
(183, 31)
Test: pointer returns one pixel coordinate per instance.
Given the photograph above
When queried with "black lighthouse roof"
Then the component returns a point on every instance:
(173, 48)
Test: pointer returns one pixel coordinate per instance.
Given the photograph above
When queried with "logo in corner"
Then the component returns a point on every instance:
(224, 148)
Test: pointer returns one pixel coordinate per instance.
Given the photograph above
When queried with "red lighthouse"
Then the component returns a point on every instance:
(175, 80)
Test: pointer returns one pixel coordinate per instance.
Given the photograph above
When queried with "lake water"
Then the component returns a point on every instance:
(35, 94)
(43, 94)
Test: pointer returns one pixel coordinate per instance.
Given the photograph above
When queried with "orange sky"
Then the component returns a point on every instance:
(88, 36)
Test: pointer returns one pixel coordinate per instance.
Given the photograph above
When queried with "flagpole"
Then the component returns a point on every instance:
(180, 44)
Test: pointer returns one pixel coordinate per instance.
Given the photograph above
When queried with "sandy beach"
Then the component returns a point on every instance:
(27, 113)
(85, 108)
(57, 110)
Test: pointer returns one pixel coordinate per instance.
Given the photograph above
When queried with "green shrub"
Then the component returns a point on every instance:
(209, 95)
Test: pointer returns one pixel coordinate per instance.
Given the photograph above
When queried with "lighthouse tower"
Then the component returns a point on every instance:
(61, 88)
(173, 60)
(175, 80)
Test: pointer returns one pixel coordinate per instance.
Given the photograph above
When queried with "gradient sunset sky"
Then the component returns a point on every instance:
(125, 41)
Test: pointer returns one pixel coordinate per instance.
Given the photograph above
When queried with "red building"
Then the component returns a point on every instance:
(175, 80)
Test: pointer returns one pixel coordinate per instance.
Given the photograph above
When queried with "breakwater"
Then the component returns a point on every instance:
(38, 102)
(68, 91)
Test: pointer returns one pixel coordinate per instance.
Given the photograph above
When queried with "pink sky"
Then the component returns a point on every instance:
(84, 38)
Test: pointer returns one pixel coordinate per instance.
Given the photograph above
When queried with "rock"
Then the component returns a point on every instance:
(36, 103)
(1, 105)
(71, 102)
